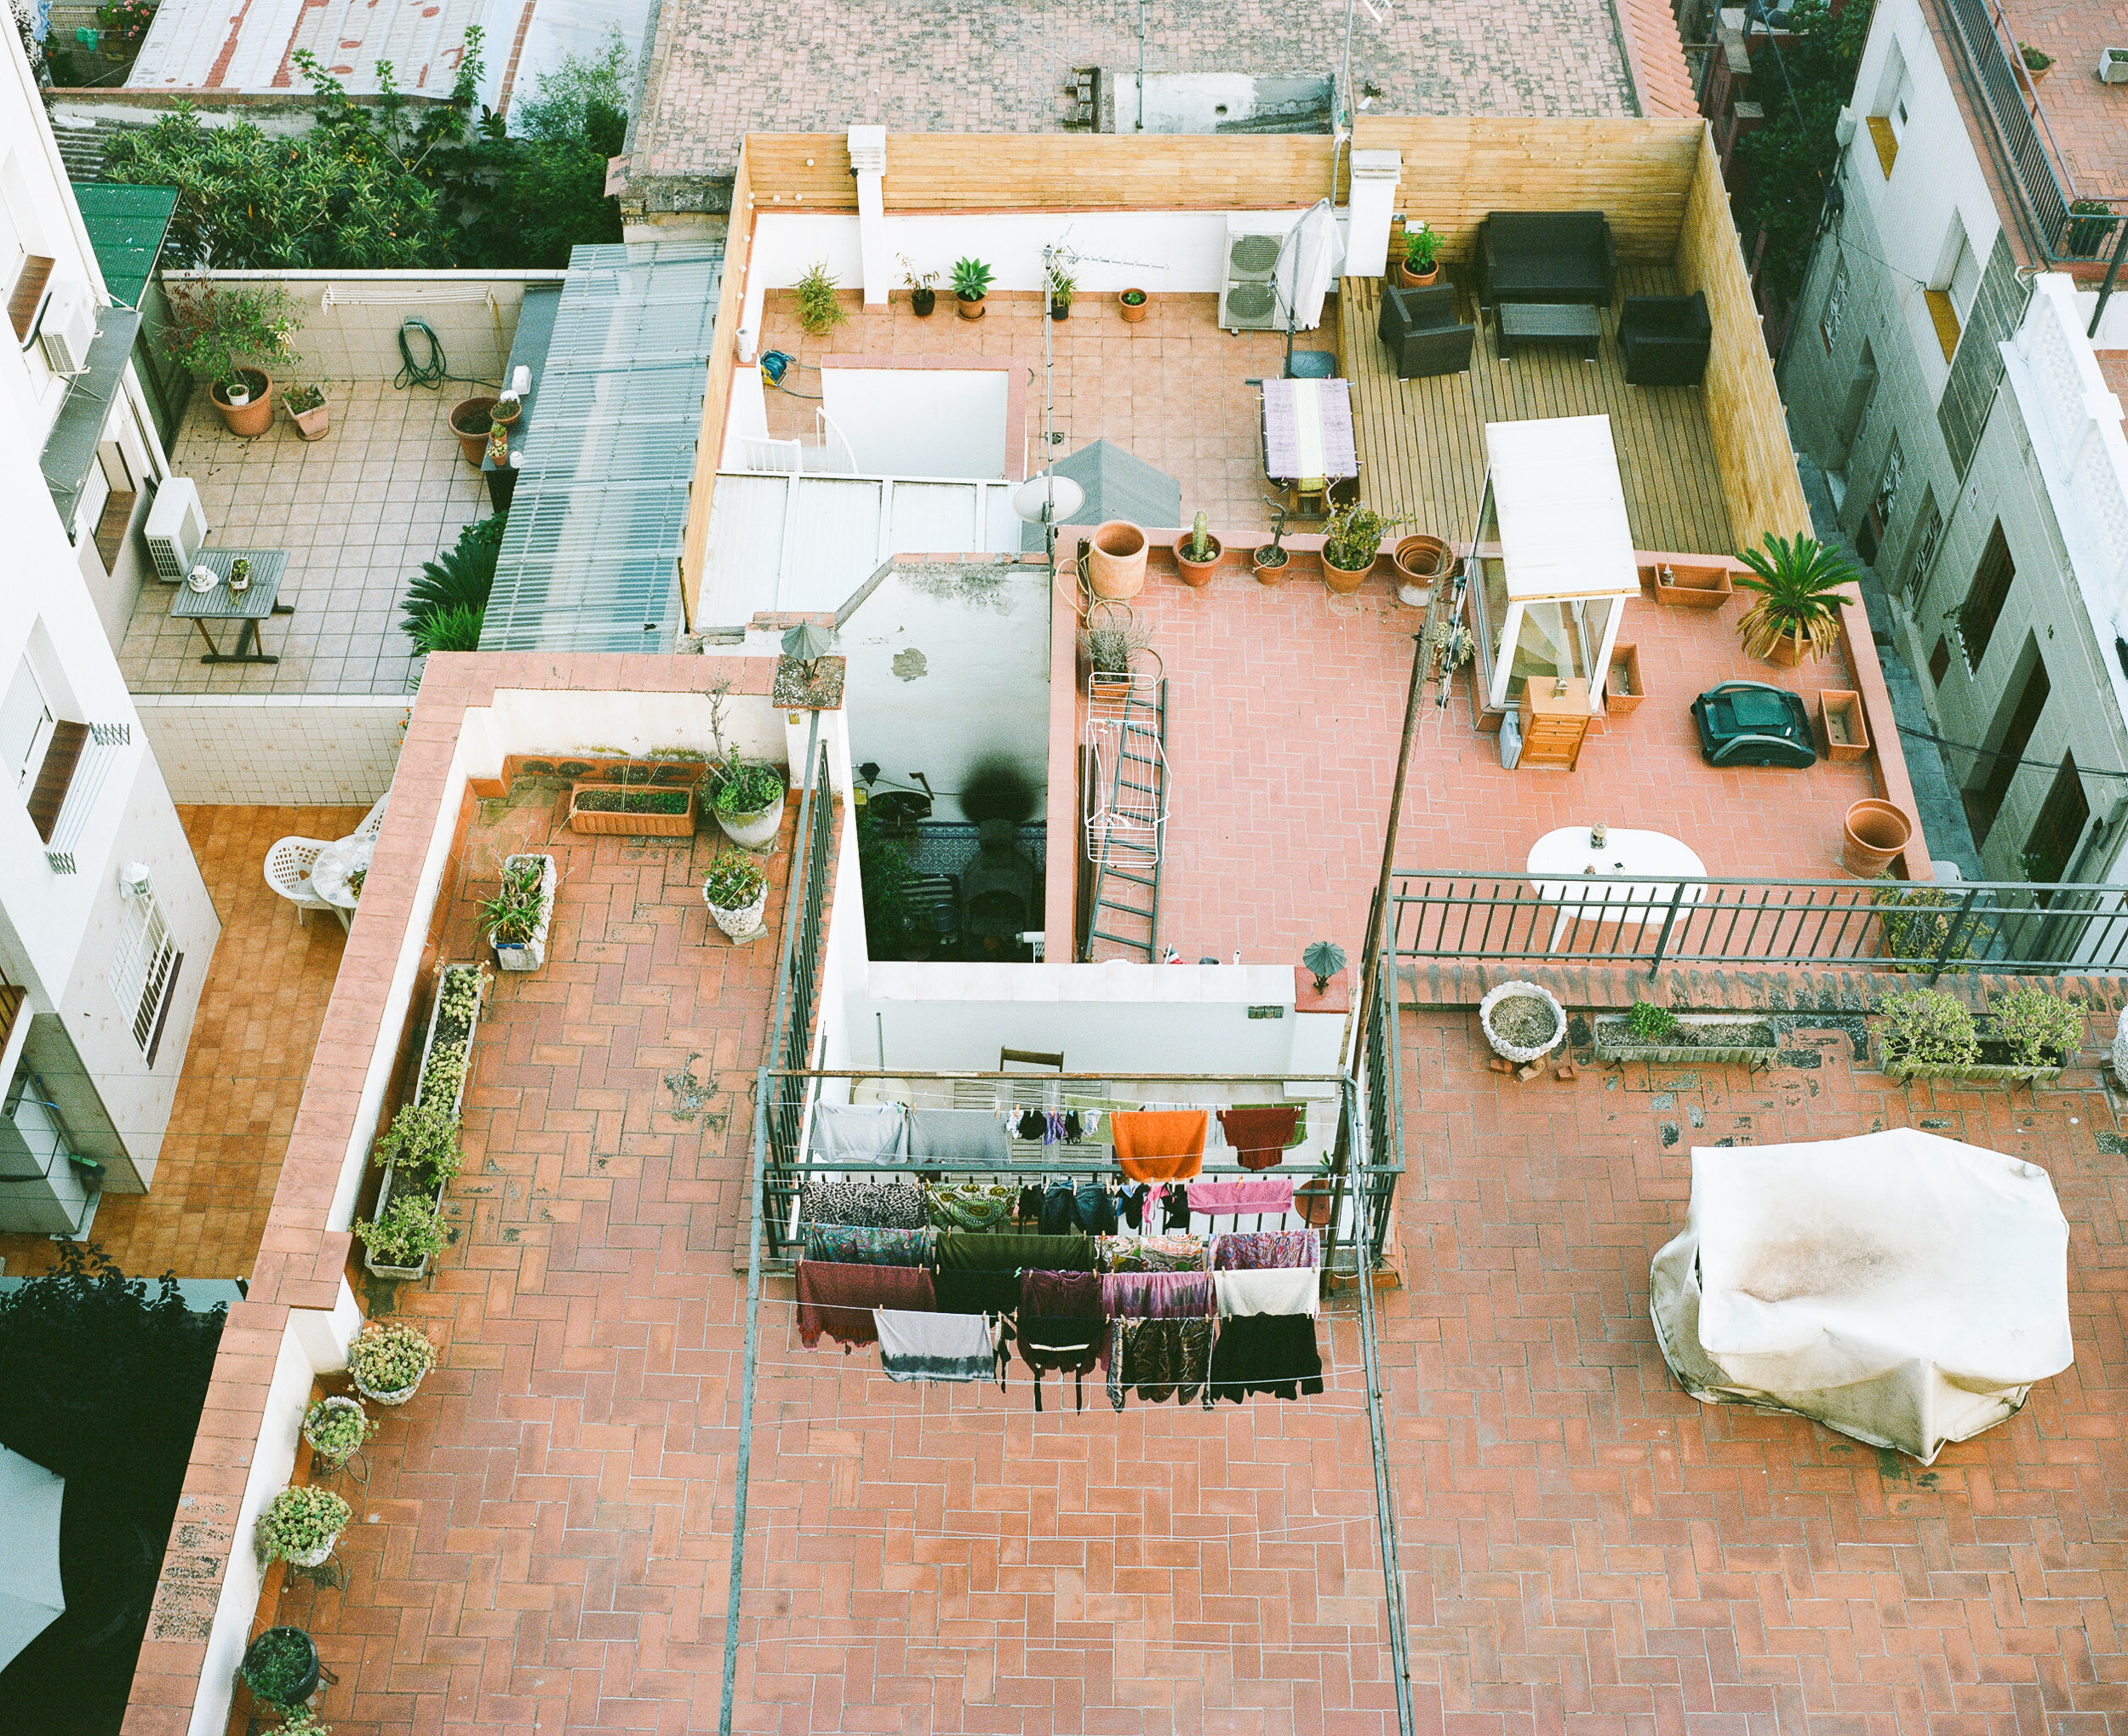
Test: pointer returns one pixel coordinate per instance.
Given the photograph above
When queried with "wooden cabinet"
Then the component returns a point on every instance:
(1554, 725)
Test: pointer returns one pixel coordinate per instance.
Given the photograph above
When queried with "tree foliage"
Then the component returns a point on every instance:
(393, 184)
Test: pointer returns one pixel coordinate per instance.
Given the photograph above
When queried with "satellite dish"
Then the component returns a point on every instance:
(1031, 500)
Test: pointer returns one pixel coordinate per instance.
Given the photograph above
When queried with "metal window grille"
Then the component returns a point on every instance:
(1922, 554)
(1835, 305)
(1888, 484)
(140, 973)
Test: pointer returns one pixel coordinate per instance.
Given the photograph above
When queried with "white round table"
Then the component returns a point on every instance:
(335, 863)
(1628, 870)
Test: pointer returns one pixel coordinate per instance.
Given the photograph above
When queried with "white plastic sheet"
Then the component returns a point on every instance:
(1901, 1288)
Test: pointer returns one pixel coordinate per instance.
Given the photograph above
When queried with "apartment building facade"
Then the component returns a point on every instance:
(105, 924)
(1940, 371)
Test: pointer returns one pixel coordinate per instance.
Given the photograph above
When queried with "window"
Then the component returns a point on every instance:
(1888, 116)
(26, 721)
(2016, 718)
(1921, 550)
(144, 971)
(1939, 660)
(1835, 305)
(1976, 616)
(1950, 297)
(2050, 851)
(1869, 538)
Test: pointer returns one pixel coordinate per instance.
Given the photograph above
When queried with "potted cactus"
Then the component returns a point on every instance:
(1197, 555)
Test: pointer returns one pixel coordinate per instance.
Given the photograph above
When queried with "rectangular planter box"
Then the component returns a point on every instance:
(1979, 1072)
(532, 954)
(1614, 1043)
(1690, 587)
(1625, 660)
(376, 1267)
(637, 826)
(1839, 716)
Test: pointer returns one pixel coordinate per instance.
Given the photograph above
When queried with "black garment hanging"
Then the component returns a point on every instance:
(1272, 1353)
(1070, 1346)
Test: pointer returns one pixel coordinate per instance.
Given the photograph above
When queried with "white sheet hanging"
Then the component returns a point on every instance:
(1902, 1288)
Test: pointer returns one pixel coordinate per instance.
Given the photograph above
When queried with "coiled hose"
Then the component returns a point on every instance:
(435, 370)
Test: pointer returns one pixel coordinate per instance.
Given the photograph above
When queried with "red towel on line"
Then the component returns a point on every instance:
(838, 1299)
(1159, 1145)
(1259, 1135)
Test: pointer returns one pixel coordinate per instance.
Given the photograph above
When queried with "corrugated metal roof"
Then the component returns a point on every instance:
(126, 225)
(591, 559)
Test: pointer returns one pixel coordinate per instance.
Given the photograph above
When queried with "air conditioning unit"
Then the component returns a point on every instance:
(176, 528)
(69, 326)
(1248, 298)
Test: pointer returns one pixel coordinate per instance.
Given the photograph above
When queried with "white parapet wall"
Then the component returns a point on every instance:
(276, 751)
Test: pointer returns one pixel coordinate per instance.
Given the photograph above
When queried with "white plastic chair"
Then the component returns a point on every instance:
(288, 871)
(372, 821)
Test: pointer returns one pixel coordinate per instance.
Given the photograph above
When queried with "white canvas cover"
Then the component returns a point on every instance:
(1898, 1286)
(1561, 508)
(30, 1596)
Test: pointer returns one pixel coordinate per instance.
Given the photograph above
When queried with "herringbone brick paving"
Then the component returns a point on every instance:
(544, 1530)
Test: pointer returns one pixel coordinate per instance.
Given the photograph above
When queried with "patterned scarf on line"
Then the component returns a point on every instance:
(1152, 1254)
(969, 1206)
(880, 1205)
(1255, 1250)
(858, 1244)
(1163, 1359)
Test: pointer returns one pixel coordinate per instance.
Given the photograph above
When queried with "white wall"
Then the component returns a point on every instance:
(271, 750)
(949, 666)
(920, 422)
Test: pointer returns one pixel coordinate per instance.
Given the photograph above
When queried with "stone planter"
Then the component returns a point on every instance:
(370, 1262)
(529, 954)
(1522, 1056)
(756, 830)
(1615, 1042)
(743, 924)
(613, 822)
(397, 1396)
(1977, 1072)
(333, 1403)
(316, 1557)
(311, 423)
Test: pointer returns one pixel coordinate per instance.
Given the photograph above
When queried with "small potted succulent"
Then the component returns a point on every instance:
(736, 892)
(971, 282)
(923, 288)
(509, 406)
(301, 1525)
(309, 409)
(239, 576)
(336, 1427)
(387, 1361)
(1270, 562)
(1134, 303)
(1197, 555)
(280, 1667)
(1352, 542)
(518, 916)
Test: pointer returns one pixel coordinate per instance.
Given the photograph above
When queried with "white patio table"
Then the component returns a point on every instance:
(1645, 869)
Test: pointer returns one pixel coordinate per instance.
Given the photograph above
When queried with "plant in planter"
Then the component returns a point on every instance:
(1421, 261)
(307, 407)
(1650, 1023)
(1271, 561)
(302, 1720)
(388, 1359)
(517, 917)
(336, 1427)
(459, 580)
(2112, 65)
(2037, 61)
(1522, 1021)
(473, 421)
(1113, 639)
(736, 892)
(239, 576)
(923, 288)
(228, 337)
(280, 1667)
(2039, 1029)
(1316, 1198)
(1063, 287)
(1649, 1032)
(1134, 304)
(2091, 222)
(1352, 540)
(408, 1234)
(971, 282)
(301, 1524)
(746, 795)
(1199, 553)
(1799, 585)
(1915, 923)
(1926, 1028)
(819, 312)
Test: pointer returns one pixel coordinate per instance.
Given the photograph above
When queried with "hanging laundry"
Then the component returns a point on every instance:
(1159, 1145)
(1269, 1353)
(1152, 1254)
(915, 1346)
(1260, 1133)
(1277, 1290)
(1072, 1346)
(969, 1205)
(882, 1205)
(976, 1293)
(856, 1244)
(1029, 1124)
(1030, 1210)
(1220, 1198)
(1157, 1295)
(1131, 1203)
(875, 1132)
(1065, 1295)
(1161, 1359)
(839, 1300)
(1253, 1250)
(1175, 1206)
(958, 1139)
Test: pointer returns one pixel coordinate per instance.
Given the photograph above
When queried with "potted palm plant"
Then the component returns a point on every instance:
(971, 282)
(1352, 541)
(1197, 554)
(1799, 585)
(736, 892)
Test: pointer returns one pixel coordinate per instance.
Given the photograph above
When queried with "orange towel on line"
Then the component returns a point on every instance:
(1159, 1145)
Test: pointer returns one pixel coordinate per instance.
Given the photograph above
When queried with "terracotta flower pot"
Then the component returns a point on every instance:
(474, 445)
(312, 424)
(1315, 1201)
(1344, 580)
(1133, 312)
(1408, 279)
(969, 309)
(1196, 574)
(251, 419)
(1115, 560)
(1875, 832)
(1421, 561)
(1275, 575)
(1789, 650)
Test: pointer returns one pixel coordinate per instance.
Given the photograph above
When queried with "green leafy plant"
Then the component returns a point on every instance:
(2035, 59)
(1926, 1027)
(1648, 1023)
(819, 312)
(422, 1140)
(301, 400)
(216, 332)
(2041, 1029)
(276, 1663)
(971, 279)
(1133, 298)
(1351, 537)
(1800, 585)
(733, 881)
(1422, 248)
(409, 1232)
(390, 1356)
(621, 799)
(123, 24)
(302, 1720)
(335, 1432)
(1062, 286)
(745, 786)
(1114, 637)
(457, 628)
(512, 915)
(1915, 922)
(460, 577)
(914, 279)
(299, 1520)
(1200, 540)
(888, 883)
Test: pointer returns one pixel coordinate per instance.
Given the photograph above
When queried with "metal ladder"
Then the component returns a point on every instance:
(1128, 740)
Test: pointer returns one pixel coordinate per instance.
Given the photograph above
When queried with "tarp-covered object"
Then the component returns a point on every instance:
(1899, 1288)
(31, 1597)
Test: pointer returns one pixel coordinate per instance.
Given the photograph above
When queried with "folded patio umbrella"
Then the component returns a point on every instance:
(1901, 1288)
(31, 1597)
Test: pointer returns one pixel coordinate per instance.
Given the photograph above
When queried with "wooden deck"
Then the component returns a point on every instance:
(1422, 441)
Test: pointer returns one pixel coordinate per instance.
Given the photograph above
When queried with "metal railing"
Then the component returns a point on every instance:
(804, 915)
(2008, 927)
(2030, 160)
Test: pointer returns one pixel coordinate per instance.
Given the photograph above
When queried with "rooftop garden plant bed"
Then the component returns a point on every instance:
(631, 810)
(418, 1152)
(2027, 1034)
(516, 918)
(1652, 1033)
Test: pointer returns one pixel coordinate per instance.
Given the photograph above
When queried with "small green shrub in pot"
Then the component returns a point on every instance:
(747, 786)
(298, 1522)
(734, 881)
(2041, 1029)
(1351, 537)
(280, 1666)
(1926, 1027)
(336, 1430)
(513, 913)
(409, 1232)
(423, 1139)
(819, 312)
(1648, 1023)
(390, 1356)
